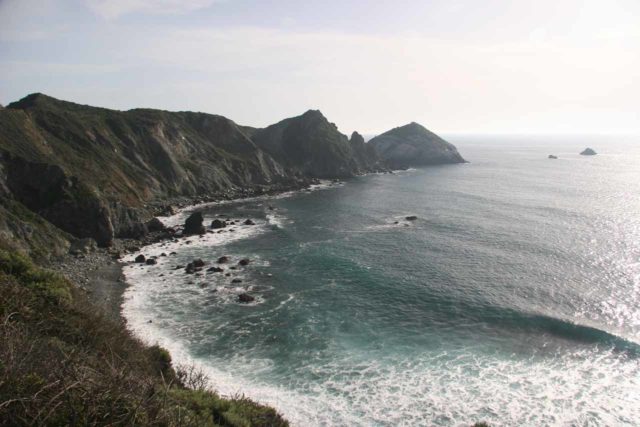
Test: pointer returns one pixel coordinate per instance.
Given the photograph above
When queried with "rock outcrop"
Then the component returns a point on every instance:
(588, 152)
(414, 145)
(312, 146)
(193, 224)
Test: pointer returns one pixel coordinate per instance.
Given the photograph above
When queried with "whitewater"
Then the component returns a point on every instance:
(513, 298)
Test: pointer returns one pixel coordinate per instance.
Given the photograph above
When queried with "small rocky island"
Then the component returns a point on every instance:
(552, 156)
(588, 152)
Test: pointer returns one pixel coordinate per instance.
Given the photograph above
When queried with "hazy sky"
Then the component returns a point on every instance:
(454, 66)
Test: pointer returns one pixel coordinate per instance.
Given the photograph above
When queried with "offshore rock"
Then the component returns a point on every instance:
(588, 152)
(193, 225)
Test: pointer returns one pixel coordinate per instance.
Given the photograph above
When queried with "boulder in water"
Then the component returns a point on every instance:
(551, 156)
(141, 258)
(223, 259)
(411, 218)
(151, 261)
(588, 152)
(216, 223)
(245, 298)
(193, 224)
(249, 222)
(244, 261)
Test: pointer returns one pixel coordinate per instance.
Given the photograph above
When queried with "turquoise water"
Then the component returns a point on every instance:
(513, 298)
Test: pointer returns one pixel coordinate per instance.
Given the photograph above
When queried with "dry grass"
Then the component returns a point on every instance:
(63, 364)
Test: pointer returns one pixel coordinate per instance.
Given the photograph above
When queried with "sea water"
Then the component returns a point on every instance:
(513, 298)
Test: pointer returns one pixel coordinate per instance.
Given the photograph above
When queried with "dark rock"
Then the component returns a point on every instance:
(223, 259)
(154, 225)
(227, 274)
(151, 261)
(169, 210)
(411, 218)
(551, 156)
(141, 258)
(215, 270)
(249, 222)
(588, 152)
(244, 261)
(216, 223)
(245, 298)
(193, 224)
(198, 263)
(236, 281)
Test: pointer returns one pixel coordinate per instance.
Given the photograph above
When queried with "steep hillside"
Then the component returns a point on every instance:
(312, 146)
(414, 145)
(91, 171)
(63, 364)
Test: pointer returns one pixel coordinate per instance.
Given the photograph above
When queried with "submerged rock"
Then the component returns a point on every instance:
(198, 263)
(223, 259)
(244, 261)
(236, 281)
(215, 270)
(411, 218)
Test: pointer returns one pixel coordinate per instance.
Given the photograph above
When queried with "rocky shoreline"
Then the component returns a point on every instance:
(98, 272)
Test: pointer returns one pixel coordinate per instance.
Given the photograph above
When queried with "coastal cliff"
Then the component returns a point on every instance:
(312, 146)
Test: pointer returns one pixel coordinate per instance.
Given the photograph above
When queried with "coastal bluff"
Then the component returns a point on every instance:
(414, 145)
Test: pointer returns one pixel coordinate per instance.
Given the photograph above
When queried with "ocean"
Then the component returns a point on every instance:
(513, 298)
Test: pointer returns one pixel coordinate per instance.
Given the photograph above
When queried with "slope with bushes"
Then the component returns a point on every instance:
(63, 364)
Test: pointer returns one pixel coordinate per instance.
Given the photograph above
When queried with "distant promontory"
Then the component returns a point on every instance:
(414, 145)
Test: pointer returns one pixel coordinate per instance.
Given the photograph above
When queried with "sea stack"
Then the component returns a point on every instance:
(414, 145)
(588, 152)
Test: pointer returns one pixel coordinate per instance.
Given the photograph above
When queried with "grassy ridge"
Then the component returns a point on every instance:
(63, 364)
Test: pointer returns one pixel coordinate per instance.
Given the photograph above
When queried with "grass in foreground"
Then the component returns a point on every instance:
(63, 364)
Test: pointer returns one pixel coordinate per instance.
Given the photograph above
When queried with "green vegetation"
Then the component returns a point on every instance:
(63, 364)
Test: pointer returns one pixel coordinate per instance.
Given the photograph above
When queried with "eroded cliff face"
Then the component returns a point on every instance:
(92, 171)
(414, 145)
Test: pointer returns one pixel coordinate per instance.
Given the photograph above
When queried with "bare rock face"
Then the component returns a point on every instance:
(588, 152)
(193, 225)
(414, 145)
(313, 147)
